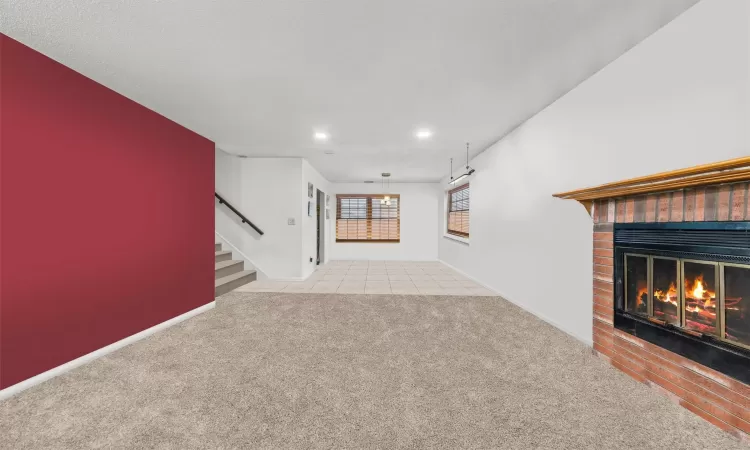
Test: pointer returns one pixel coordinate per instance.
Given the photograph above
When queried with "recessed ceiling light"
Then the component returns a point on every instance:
(423, 134)
(320, 136)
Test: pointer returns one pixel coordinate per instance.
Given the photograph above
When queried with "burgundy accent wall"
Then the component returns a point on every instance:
(107, 215)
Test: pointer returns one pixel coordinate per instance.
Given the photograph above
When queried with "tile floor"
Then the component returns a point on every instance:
(378, 277)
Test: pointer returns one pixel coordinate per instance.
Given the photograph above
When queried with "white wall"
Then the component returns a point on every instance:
(679, 98)
(268, 192)
(419, 225)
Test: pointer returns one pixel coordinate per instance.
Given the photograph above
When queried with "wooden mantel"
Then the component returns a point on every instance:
(730, 171)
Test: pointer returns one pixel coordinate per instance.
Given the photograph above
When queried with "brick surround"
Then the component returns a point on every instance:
(717, 398)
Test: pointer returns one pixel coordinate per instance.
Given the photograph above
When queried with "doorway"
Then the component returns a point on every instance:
(321, 216)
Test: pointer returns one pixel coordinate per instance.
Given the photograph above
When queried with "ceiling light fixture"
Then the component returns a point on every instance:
(466, 174)
(320, 136)
(423, 134)
(386, 200)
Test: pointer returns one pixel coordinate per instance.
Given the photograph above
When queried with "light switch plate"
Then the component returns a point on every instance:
(290, 221)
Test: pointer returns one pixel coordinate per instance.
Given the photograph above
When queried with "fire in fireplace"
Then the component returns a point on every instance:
(700, 297)
(686, 287)
(651, 290)
(666, 295)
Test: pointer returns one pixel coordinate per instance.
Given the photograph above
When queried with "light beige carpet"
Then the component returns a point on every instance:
(275, 370)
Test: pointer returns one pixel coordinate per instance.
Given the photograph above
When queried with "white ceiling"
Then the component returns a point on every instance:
(258, 77)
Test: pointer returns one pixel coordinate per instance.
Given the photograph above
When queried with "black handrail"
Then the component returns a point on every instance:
(234, 210)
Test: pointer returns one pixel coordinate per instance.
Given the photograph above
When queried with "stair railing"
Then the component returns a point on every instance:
(239, 214)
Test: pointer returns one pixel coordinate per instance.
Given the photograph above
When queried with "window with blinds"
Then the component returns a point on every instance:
(363, 218)
(458, 211)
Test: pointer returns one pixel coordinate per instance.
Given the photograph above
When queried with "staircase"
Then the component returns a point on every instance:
(230, 274)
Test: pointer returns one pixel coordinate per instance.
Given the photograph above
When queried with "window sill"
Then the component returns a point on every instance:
(460, 239)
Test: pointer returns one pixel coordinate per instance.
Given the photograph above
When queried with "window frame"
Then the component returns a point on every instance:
(369, 219)
(453, 234)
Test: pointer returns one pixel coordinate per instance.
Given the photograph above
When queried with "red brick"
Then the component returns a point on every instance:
(729, 383)
(603, 323)
(603, 327)
(604, 286)
(604, 337)
(607, 252)
(711, 211)
(603, 294)
(702, 384)
(628, 343)
(603, 350)
(608, 320)
(603, 297)
(603, 261)
(595, 211)
(620, 211)
(666, 384)
(630, 210)
(689, 205)
(739, 192)
(607, 270)
(677, 206)
(724, 380)
(664, 371)
(651, 208)
(618, 347)
(709, 418)
(603, 300)
(639, 209)
(663, 208)
(724, 208)
(717, 412)
(611, 211)
(700, 205)
(727, 393)
(603, 206)
(605, 311)
(629, 367)
(604, 236)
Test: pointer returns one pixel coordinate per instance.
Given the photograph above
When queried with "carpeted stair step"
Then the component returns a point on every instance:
(224, 268)
(233, 281)
(217, 246)
(223, 255)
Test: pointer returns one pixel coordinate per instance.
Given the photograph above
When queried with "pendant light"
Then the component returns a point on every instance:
(386, 200)
(468, 172)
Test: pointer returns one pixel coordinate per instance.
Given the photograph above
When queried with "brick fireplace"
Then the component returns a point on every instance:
(671, 286)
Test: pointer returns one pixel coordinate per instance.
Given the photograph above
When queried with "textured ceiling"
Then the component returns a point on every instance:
(259, 76)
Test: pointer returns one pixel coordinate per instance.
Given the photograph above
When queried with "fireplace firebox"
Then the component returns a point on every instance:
(686, 287)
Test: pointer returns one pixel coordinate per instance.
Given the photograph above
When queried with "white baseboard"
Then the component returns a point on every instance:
(587, 341)
(468, 276)
(59, 370)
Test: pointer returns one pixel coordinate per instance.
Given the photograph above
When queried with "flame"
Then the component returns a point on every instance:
(699, 298)
(641, 292)
(699, 289)
(667, 297)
